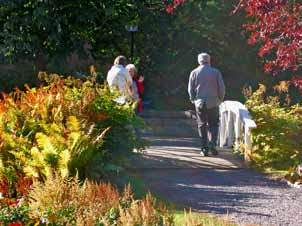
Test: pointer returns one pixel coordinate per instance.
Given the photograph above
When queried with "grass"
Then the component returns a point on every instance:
(182, 217)
(271, 173)
(275, 174)
(129, 177)
(188, 218)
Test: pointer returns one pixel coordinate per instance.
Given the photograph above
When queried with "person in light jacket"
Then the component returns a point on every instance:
(206, 90)
(119, 79)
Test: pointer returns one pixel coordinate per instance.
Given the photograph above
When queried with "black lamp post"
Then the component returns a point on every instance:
(131, 29)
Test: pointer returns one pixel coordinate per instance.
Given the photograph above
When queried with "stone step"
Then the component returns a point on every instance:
(168, 114)
(170, 122)
(175, 129)
(172, 131)
(170, 126)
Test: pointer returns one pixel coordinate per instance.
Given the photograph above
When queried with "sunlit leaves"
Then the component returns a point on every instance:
(276, 140)
(47, 128)
(277, 26)
(172, 5)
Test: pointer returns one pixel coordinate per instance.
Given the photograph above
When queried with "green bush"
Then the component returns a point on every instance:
(276, 140)
(13, 212)
(62, 127)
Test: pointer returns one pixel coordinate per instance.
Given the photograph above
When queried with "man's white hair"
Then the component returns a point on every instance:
(131, 66)
(204, 58)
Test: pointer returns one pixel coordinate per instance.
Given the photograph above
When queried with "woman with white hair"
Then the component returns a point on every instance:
(137, 86)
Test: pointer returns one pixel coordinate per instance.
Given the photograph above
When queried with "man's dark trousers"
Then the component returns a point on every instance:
(207, 120)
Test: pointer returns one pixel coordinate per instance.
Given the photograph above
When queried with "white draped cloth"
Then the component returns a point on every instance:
(235, 123)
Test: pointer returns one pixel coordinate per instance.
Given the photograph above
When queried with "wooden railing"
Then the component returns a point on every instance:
(235, 126)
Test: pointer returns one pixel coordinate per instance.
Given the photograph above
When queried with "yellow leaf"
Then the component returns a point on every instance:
(30, 171)
(73, 124)
(36, 155)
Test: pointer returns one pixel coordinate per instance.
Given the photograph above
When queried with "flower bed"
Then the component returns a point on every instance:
(67, 127)
(65, 201)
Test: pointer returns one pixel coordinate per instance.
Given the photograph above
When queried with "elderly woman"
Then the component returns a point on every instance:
(137, 86)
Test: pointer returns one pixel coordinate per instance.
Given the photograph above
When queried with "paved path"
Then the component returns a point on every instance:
(173, 169)
(183, 152)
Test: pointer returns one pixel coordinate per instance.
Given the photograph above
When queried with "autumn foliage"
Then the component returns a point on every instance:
(170, 8)
(277, 26)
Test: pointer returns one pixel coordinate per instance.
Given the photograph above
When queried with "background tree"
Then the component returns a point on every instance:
(194, 27)
(277, 27)
(54, 29)
(166, 44)
(51, 35)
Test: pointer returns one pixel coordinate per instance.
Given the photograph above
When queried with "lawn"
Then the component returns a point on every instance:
(189, 218)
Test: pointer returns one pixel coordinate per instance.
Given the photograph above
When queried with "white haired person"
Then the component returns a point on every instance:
(206, 90)
(138, 86)
(119, 79)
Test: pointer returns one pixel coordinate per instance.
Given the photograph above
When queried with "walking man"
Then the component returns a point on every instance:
(206, 90)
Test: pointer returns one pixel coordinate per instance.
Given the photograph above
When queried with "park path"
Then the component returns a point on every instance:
(173, 169)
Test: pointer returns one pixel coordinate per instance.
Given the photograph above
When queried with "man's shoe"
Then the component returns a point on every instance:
(214, 150)
(212, 147)
(204, 152)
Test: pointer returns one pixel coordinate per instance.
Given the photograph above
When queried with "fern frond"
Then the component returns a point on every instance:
(37, 157)
(65, 157)
(57, 113)
(73, 139)
(42, 111)
(48, 171)
(44, 143)
(1, 165)
(55, 128)
(73, 124)
(19, 155)
(31, 171)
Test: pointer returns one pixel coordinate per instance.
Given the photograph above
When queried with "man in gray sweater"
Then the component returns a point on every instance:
(206, 90)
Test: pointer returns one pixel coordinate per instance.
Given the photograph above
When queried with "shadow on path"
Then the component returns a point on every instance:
(173, 169)
(246, 196)
(181, 152)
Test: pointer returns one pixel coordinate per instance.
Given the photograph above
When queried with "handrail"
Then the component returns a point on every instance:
(235, 121)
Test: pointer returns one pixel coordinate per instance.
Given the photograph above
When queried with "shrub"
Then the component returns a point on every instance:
(13, 212)
(276, 140)
(60, 127)
(141, 213)
(61, 201)
(13, 184)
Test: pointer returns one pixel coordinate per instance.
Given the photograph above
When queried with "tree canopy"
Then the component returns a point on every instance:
(277, 25)
(166, 44)
(56, 28)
